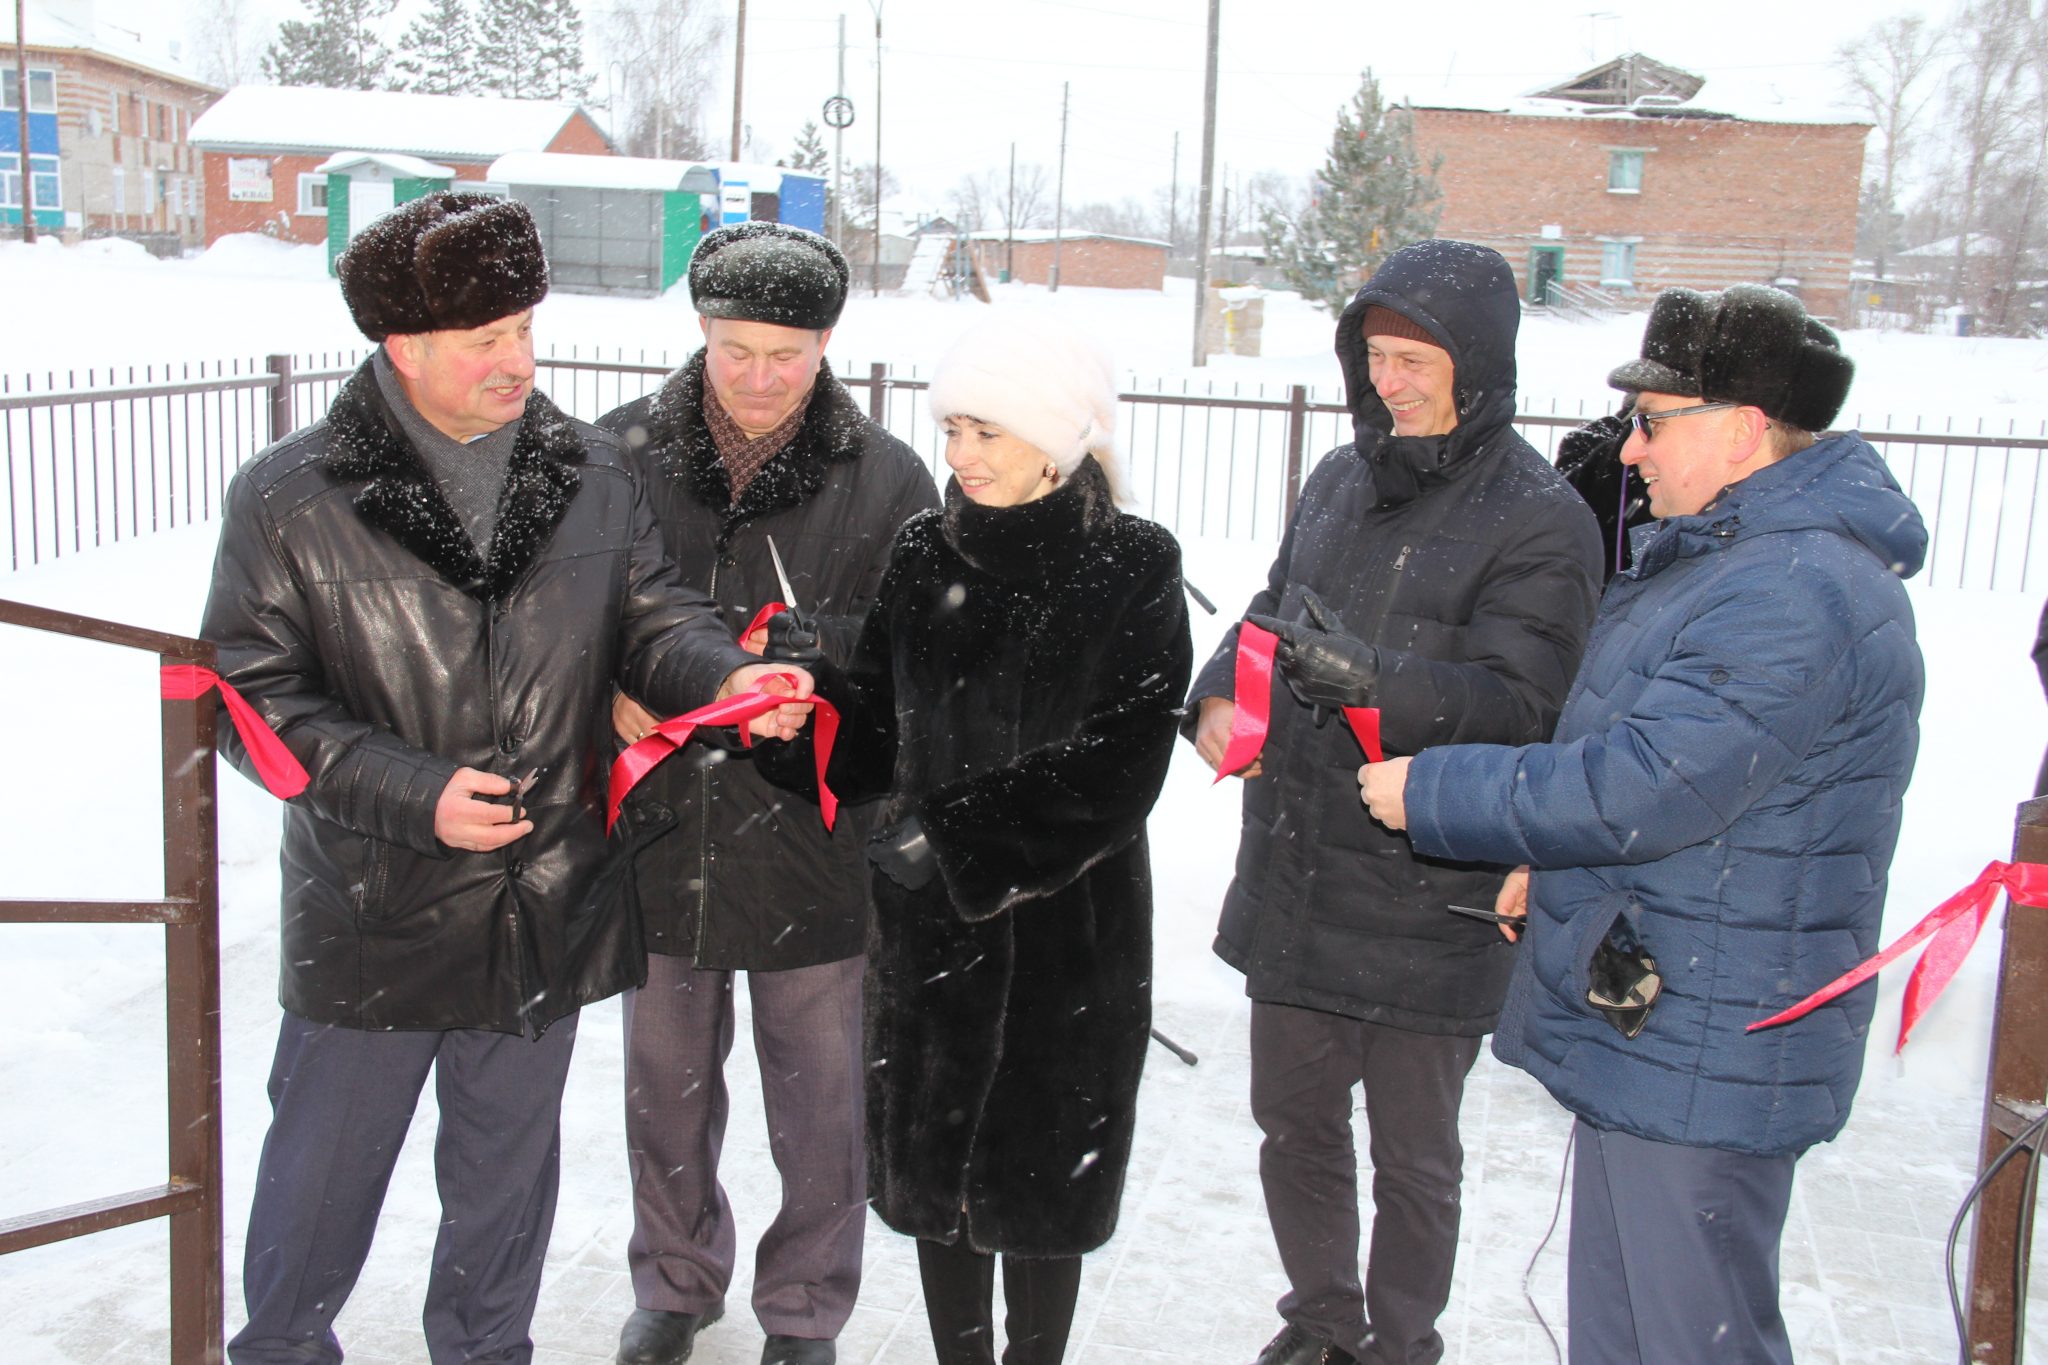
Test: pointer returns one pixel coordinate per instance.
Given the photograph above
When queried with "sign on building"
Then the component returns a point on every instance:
(249, 179)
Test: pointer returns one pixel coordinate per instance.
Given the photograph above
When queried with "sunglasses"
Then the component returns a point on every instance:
(1644, 422)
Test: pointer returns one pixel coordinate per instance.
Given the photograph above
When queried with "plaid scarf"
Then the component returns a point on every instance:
(745, 456)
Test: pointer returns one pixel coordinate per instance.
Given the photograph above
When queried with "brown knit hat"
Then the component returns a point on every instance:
(1381, 321)
(447, 261)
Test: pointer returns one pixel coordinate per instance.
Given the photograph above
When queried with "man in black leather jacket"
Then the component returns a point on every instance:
(431, 592)
(1438, 570)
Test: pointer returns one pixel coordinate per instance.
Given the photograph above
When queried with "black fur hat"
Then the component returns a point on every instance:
(769, 272)
(1748, 344)
(444, 262)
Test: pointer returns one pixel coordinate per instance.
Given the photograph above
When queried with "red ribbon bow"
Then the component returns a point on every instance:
(282, 773)
(1953, 925)
(646, 754)
(1254, 693)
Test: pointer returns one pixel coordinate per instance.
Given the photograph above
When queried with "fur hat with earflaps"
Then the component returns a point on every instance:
(1748, 344)
(769, 272)
(1038, 378)
(445, 262)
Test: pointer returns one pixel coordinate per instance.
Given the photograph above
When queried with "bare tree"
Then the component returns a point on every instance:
(669, 53)
(986, 202)
(1985, 89)
(228, 41)
(2018, 203)
(1889, 71)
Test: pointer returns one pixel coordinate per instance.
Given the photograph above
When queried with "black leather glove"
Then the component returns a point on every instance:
(1323, 664)
(1596, 444)
(904, 854)
(792, 640)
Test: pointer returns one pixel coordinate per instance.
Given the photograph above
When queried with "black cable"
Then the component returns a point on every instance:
(1529, 1271)
(2029, 1137)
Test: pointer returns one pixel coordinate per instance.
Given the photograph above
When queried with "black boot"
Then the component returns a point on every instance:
(782, 1350)
(655, 1336)
(1296, 1346)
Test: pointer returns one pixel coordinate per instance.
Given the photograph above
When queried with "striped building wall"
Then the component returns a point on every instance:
(1714, 202)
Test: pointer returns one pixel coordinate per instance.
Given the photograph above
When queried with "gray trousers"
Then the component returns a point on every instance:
(807, 1034)
(1674, 1253)
(1304, 1065)
(341, 1100)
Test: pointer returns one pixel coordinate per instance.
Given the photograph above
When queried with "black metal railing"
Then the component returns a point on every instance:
(102, 458)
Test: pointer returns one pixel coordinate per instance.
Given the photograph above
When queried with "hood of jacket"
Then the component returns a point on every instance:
(1464, 296)
(1839, 485)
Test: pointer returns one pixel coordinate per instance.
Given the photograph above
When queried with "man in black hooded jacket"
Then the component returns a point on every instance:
(1439, 570)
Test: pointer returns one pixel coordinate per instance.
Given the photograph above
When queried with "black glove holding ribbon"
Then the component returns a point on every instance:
(1324, 664)
(904, 854)
(792, 640)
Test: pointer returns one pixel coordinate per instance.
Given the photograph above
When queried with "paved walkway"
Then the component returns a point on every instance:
(1191, 1276)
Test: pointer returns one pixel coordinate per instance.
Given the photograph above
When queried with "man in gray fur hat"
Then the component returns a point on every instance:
(751, 443)
(429, 595)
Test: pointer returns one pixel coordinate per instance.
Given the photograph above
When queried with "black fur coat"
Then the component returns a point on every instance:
(1016, 688)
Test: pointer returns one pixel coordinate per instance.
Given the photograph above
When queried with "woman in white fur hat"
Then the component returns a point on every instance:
(1014, 696)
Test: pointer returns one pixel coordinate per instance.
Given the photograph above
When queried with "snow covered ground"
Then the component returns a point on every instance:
(1192, 1274)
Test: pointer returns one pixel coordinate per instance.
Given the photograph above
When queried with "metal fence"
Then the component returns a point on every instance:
(106, 456)
(190, 1196)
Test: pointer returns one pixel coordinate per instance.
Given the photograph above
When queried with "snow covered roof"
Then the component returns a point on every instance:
(1633, 86)
(399, 164)
(1944, 248)
(570, 170)
(270, 118)
(125, 30)
(1067, 235)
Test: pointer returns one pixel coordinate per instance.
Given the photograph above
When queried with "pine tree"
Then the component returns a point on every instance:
(810, 153)
(436, 55)
(531, 49)
(339, 48)
(508, 47)
(1371, 197)
(562, 75)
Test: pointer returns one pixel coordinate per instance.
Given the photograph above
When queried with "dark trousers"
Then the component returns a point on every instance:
(679, 1033)
(341, 1100)
(1304, 1065)
(1674, 1253)
(959, 1299)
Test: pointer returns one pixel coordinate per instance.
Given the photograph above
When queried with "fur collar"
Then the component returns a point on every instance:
(399, 497)
(1033, 540)
(834, 430)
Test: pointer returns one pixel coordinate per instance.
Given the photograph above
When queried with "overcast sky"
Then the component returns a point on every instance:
(962, 79)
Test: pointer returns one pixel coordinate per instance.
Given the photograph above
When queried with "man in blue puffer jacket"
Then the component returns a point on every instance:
(1721, 800)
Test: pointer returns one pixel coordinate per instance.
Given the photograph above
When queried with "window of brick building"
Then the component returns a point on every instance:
(313, 195)
(1624, 172)
(1618, 265)
(42, 91)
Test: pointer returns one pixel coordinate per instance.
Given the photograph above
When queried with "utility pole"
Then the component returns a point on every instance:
(1010, 222)
(1059, 199)
(839, 150)
(875, 261)
(739, 72)
(1173, 199)
(1208, 171)
(28, 180)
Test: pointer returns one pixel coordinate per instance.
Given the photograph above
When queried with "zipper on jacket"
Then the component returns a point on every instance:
(704, 814)
(497, 612)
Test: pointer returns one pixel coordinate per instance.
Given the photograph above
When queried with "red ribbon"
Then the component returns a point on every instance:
(1953, 925)
(1253, 687)
(646, 754)
(282, 773)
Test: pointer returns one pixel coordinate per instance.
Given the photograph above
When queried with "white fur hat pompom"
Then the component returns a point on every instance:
(1038, 378)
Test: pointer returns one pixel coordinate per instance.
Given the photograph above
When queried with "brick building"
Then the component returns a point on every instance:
(110, 117)
(264, 145)
(1091, 259)
(1636, 176)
